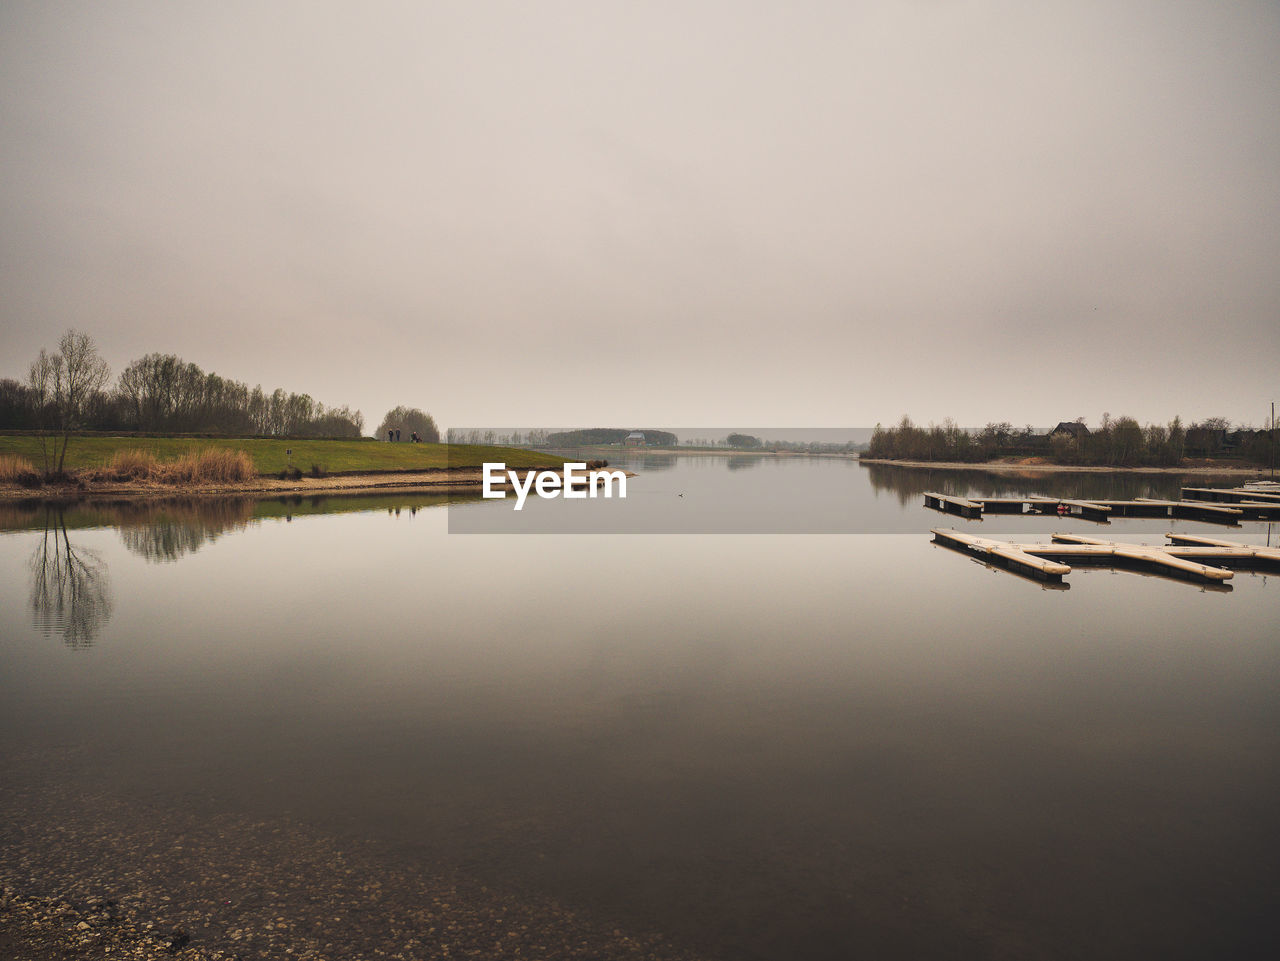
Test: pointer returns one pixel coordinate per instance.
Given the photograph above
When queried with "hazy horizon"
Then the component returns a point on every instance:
(662, 213)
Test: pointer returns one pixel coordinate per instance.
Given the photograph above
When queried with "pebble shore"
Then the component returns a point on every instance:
(97, 875)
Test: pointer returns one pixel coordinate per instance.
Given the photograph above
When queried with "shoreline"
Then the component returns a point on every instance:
(700, 451)
(445, 480)
(437, 480)
(434, 480)
(1006, 466)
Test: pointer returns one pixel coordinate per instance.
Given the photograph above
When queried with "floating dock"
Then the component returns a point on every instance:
(1211, 510)
(1265, 504)
(1175, 510)
(953, 505)
(977, 507)
(1038, 504)
(1199, 559)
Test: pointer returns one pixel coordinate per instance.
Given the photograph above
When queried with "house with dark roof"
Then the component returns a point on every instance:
(1072, 429)
(634, 439)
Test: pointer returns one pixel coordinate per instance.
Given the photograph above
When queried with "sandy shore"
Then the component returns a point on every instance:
(1244, 473)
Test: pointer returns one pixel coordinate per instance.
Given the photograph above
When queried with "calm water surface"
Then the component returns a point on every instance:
(756, 745)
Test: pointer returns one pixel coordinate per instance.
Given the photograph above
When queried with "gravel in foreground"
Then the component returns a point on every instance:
(95, 876)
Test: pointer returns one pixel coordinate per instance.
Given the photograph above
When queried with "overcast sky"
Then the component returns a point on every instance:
(801, 213)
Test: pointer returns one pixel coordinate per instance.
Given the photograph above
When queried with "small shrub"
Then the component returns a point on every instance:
(317, 470)
(291, 473)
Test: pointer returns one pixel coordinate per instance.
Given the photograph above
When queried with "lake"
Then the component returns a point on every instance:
(750, 711)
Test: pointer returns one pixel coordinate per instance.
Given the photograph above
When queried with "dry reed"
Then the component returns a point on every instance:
(17, 470)
(212, 466)
(132, 464)
(209, 466)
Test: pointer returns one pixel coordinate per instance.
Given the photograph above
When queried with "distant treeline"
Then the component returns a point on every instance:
(478, 437)
(751, 442)
(594, 436)
(164, 393)
(1118, 442)
(812, 447)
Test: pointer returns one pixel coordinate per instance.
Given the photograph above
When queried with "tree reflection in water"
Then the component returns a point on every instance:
(70, 587)
(908, 484)
(167, 531)
(70, 590)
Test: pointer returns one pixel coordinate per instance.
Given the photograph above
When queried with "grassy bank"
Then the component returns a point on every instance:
(93, 452)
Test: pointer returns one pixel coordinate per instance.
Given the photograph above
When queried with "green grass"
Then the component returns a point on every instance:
(333, 456)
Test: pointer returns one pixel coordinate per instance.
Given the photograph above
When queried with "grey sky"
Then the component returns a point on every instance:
(617, 213)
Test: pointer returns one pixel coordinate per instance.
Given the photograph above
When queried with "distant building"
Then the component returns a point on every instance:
(1072, 429)
(634, 439)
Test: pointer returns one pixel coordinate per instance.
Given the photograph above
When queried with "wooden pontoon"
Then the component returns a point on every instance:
(1259, 505)
(1103, 510)
(953, 505)
(1232, 494)
(1201, 559)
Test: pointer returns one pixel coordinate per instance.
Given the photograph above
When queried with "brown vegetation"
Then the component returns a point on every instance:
(18, 470)
(209, 466)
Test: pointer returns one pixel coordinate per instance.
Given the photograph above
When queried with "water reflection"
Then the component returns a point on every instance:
(910, 483)
(764, 747)
(291, 506)
(184, 525)
(1019, 576)
(70, 587)
(164, 533)
(646, 462)
(70, 590)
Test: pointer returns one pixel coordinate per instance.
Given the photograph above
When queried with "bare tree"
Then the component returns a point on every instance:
(65, 382)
